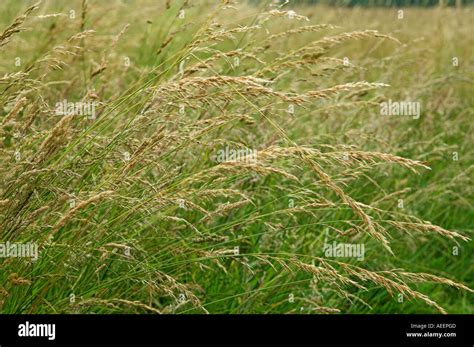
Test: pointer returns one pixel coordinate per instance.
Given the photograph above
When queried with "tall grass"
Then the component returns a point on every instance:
(133, 211)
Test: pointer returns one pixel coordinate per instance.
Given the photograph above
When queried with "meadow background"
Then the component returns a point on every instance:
(133, 214)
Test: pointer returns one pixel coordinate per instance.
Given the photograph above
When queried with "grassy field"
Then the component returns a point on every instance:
(202, 156)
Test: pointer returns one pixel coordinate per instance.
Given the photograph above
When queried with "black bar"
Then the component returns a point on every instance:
(243, 329)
